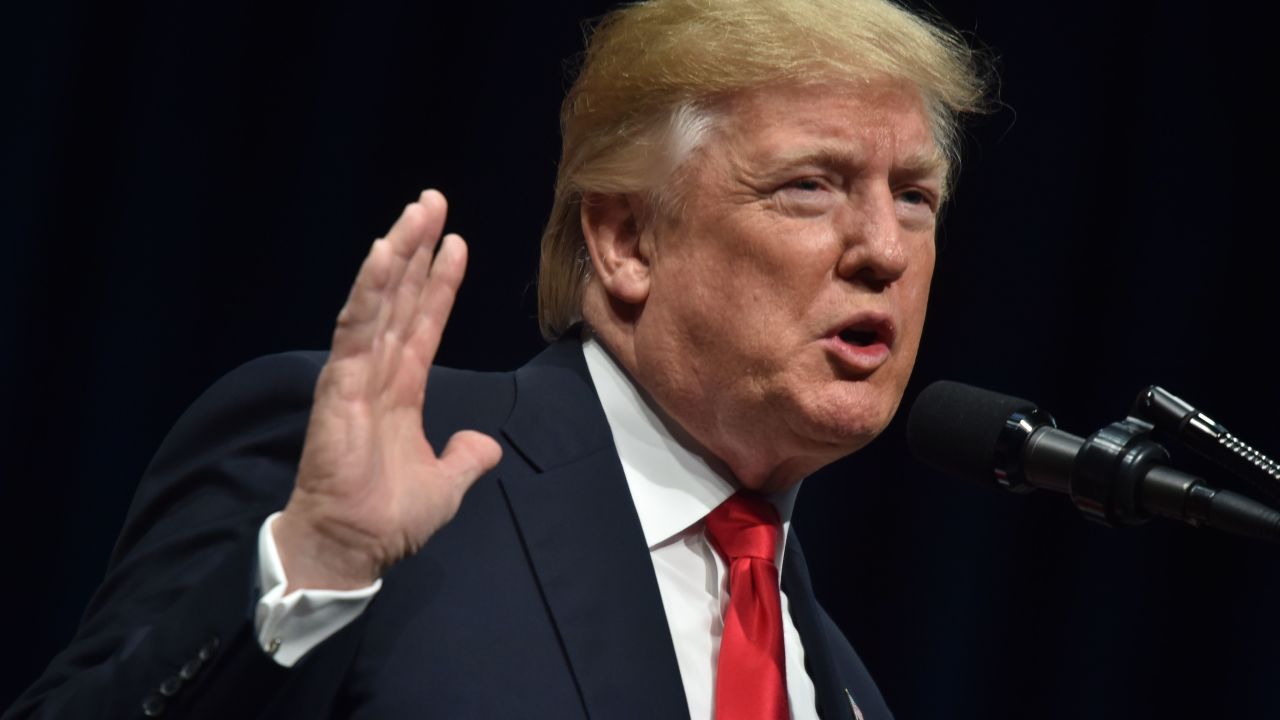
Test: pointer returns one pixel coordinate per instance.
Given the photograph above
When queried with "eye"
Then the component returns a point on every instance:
(807, 195)
(806, 191)
(915, 197)
(808, 188)
(805, 184)
(917, 202)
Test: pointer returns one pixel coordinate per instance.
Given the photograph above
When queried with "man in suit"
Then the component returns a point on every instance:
(734, 279)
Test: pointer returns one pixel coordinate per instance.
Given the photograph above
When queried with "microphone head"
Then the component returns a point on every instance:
(964, 430)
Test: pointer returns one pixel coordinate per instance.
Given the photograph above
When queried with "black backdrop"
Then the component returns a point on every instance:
(188, 186)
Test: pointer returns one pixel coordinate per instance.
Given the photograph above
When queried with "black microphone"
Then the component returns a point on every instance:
(1116, 476)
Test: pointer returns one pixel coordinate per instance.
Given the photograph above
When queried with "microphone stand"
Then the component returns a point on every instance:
(1119, 477)
(1176, 417)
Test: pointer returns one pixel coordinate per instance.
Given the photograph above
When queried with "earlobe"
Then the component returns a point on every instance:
(611, 227)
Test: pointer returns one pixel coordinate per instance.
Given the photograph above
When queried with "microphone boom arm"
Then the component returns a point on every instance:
(1191, 427)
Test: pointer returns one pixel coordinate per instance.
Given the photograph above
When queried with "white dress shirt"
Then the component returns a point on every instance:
(673, 488)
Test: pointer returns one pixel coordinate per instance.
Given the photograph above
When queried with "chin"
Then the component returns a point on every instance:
(844, 422)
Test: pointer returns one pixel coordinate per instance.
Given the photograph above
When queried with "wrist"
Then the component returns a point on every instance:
(320, 559)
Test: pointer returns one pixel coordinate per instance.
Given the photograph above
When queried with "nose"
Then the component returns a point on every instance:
(874, 252)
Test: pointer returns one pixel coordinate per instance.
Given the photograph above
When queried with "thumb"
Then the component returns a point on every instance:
(468, 455)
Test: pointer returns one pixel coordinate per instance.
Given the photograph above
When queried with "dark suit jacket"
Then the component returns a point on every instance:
(537, 600)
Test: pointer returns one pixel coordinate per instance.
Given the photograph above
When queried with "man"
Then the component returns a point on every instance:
(734, 279)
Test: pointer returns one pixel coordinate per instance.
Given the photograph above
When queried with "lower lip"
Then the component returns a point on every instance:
(859, 358)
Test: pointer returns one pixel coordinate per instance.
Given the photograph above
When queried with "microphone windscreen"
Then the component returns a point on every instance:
(956, 428)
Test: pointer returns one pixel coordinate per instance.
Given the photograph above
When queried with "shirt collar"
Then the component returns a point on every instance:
(673, 483)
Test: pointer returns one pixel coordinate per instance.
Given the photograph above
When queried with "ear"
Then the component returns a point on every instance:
(612, 228)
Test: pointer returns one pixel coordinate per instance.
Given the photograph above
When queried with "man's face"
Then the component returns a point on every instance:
(787, 298)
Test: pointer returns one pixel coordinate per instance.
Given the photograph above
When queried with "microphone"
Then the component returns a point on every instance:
(1116, 476)
(1194, 429)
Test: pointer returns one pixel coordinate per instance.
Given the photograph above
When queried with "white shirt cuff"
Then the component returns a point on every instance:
(289, 626)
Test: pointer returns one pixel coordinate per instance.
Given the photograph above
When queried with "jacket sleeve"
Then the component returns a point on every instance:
(170, 630)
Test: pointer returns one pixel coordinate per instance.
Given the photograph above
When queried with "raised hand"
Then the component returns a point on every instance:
(370, 488)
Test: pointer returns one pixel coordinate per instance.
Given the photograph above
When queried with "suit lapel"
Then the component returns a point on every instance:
(819, 660)
(585, 543)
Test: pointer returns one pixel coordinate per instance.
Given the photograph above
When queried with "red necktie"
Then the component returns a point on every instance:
(751, 677)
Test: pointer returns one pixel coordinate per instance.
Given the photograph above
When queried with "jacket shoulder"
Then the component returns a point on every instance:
(468, 399)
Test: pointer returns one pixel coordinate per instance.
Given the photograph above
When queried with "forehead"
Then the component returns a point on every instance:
(869, 122)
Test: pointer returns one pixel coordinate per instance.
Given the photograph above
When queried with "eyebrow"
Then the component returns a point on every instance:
(917, 163)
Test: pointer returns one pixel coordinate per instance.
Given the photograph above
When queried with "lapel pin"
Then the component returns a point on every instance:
(853, 706)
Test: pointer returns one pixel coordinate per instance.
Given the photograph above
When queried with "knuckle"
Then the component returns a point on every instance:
(345, 316)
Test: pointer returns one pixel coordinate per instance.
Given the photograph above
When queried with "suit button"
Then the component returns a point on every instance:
(153, 706)
(170, 686)
(190, 669)
(208, 650)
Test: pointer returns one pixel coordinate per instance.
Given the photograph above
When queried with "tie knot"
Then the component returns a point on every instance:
(745, 525)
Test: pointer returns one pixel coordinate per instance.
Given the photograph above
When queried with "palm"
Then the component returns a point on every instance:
(369, 484)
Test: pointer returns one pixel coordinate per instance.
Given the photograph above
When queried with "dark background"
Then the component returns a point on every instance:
(188, 186)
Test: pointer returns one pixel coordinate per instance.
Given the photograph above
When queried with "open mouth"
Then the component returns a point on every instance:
(863, 345)
(859, 336)
(867, 332)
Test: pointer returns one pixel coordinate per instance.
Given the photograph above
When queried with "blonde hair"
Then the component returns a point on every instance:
(642, 102)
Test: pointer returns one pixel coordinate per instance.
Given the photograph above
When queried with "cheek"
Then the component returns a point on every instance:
(913, 307)
(734, 285)
(743, 290)
(916, 307)
(915, 297)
